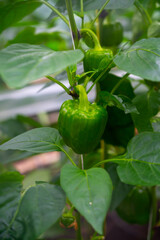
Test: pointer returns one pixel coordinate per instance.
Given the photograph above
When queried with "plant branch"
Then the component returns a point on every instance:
(82, 14)
(78, 232)
(59, 83)
(73, 27)
(56, 11)
(102, 8)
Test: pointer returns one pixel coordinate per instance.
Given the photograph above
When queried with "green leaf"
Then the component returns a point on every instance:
(12, 127)
(23, 63)
(141, 59)
(14, 11)
(148, 105)
(10, 156)
(40, 207)
(141, 164)
(93, 4)
(113, 4)
(121, 102)
(37, 140)
(120, 189)
(89, 191)
(10, 190)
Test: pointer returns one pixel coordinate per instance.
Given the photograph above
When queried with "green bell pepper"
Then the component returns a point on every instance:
(111, 34)
(81, 124)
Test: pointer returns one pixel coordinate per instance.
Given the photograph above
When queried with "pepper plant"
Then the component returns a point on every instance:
(112, 145)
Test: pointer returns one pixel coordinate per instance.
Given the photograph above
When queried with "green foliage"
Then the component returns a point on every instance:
(89, 191)
(37, 209)
(103, 179)
(14, 11)
(141, 59)
(140, 164)
(93, 5)
(148, 106)
(37, 141)
(32, 62)
(10, 191)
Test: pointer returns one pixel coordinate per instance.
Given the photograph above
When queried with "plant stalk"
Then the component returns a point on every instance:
(153, 214)
(78, 232)
(82, 14)
(102, 8)
(73, 27)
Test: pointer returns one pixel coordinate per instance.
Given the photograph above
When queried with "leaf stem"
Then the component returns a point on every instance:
(143, 11)
(56, 11)
(102, 8)
(119, 83)
(153, 213)
(73, 27)
(69, 157)
(59, 83)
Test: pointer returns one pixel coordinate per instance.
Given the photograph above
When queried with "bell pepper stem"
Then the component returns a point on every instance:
(83, 99)
(88, 32)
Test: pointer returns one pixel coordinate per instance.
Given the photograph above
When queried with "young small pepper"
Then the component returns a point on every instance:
(96, 58)
(81, 124)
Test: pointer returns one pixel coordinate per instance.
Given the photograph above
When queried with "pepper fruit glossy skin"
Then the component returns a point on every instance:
(97, 59)
(135, 208)
(81, 124)
(111, 34)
